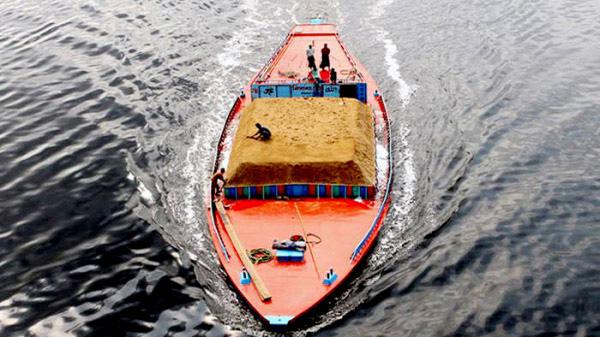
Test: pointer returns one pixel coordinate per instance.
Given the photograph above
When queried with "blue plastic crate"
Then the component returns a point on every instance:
(284, 255)
(361, 92)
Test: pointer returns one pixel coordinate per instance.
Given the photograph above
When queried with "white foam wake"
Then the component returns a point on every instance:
(391, 51)
(393, 67)
(405, 181)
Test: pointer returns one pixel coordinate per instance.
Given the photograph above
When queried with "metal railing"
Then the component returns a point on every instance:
(349, 57)
(270, 62)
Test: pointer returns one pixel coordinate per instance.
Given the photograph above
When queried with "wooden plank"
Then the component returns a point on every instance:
(263, 292)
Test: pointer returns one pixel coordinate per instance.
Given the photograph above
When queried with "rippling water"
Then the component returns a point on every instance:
(110, 111)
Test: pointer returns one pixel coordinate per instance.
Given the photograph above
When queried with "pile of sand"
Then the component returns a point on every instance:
(314, 140)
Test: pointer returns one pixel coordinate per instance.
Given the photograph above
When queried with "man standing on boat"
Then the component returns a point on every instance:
(333, 75)
(310, 56)
(325, 57)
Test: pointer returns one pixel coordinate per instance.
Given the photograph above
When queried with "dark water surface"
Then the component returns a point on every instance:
(110, 111)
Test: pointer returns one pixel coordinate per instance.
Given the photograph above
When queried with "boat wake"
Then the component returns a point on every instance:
(234, 63)
(404, 172)
(180, 213)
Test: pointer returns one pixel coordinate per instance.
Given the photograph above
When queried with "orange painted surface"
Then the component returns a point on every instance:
(294, 286)
(294, 58)
(341, 223)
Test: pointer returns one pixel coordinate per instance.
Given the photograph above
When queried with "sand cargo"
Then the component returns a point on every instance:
(318, 187)
(314, 140)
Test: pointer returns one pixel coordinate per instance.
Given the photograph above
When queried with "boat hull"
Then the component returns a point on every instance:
(346, 228)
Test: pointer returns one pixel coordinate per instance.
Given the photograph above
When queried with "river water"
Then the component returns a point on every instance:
(110, 112)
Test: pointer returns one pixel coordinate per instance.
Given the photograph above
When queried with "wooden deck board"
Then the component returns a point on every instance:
(264, 293)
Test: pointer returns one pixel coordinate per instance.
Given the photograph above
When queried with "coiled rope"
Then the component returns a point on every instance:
(314, 236)
(260, 255)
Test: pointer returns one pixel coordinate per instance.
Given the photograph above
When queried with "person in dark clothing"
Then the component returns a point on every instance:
(310, 56)
(217, 188)
(333, 75)
(262, 133)
(325, 57)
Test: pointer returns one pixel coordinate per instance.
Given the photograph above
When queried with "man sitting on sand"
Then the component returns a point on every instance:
(262, 133)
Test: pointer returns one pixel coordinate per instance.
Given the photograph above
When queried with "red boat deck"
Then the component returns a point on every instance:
(341, 223)
(293, 56)
(295, 287)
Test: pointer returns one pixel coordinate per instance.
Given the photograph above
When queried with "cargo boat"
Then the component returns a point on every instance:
(310, 192)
